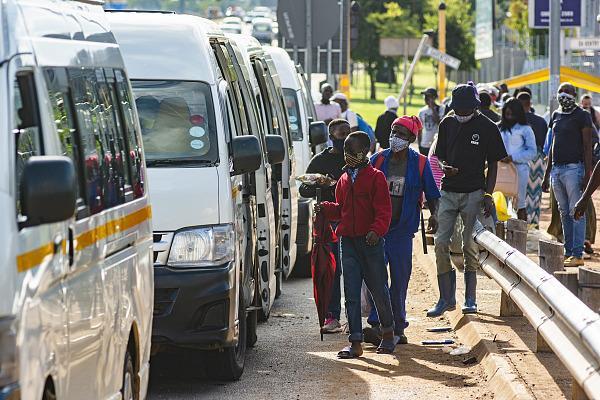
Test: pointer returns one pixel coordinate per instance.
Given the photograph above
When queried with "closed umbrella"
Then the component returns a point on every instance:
(322, 263)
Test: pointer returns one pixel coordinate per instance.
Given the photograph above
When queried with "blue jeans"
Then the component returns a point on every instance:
(335, 304)
(361, 262)
(567, 183)
(398, 253)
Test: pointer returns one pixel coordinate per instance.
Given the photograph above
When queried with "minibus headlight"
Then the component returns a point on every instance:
(8, 352)
(201, 247)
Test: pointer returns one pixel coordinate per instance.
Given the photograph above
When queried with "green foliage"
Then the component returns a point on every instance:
(460, 22)
(395, 22)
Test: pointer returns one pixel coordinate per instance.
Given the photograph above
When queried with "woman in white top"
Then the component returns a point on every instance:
(519, 142)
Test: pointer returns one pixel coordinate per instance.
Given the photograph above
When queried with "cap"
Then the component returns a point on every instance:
(412, 123)
(391, 102)
(430, 92)
(465, 97)
(339, 96)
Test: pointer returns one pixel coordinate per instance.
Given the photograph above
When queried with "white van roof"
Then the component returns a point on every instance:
(59, 32)
(166, 46)
(285, 67)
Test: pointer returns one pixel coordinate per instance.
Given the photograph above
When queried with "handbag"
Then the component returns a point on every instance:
(507, 180)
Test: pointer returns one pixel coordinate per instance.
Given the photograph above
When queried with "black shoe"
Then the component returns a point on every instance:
(372, 335)
(401, 338)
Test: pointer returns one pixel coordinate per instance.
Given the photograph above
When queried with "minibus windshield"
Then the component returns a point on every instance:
(291, 103)
(178, 122)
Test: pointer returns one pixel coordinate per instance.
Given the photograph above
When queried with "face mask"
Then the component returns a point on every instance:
(338, 144)
(567, 102)
(398, 144)
(463, 119)
(355, 160)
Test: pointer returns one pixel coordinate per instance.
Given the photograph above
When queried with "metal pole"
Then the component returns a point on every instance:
(442, 46)
(412, 67)
(341, 3)
(309, 41)
(405, 68)
(554, 52)
(329, 61)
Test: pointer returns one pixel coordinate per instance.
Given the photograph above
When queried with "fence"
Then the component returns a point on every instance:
(565, 325)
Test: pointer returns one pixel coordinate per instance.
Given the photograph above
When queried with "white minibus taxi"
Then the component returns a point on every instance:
(76, 265)
(307, 135)
(201, 157)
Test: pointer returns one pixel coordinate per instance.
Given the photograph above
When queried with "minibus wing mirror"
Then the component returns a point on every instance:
(247, 155)
(318, 133)
(48, 190)
(275, 149)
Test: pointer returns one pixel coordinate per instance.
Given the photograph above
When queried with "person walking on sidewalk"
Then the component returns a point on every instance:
(570, 167)
(326, 109)
(519, 142)
(408, 175)
(384, 121)
(538, 165)
(430, 115)
(364, 209)
(467, 141)
(330, 162)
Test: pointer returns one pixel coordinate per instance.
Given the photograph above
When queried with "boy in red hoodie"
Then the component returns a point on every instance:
(364, 210)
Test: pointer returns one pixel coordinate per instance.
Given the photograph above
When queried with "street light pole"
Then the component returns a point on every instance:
(442, 47)
(309, 60)
(554, 53)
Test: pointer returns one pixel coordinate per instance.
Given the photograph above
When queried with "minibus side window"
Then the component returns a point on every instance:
(271, 120)
(62, 111)
(26, 127)
(96, 171)
(133, 145)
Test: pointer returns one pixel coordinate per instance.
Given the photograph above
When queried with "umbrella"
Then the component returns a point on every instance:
(322, 263)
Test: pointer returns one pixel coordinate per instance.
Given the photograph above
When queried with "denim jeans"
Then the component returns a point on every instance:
(567, 183)
(335, 304)
(361, 262)
(451, 205)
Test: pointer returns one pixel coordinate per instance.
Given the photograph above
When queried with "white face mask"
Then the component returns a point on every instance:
(398, 144)
(463, 119)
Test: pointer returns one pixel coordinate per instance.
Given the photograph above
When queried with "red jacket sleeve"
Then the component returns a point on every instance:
(382, 204)
(333, 211)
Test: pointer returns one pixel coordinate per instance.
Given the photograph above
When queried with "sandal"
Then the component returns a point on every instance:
(386, 346)
(348, 353)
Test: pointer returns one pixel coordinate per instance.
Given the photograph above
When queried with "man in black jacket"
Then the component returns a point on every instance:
(385, 120)
(331, 162)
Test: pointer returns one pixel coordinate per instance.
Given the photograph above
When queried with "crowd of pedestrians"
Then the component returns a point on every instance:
(376, 205)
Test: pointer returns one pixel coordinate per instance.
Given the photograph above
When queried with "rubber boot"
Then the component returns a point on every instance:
(470, 306)
(447, 288)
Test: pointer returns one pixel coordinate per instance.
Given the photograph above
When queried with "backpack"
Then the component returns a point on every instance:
(422, 162)
(366, 128)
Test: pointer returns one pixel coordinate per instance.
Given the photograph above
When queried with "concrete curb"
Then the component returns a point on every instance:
(502, 378)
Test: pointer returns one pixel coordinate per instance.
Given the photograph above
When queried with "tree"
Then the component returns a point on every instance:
(460, 22)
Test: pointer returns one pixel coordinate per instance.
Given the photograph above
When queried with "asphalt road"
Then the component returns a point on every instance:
(290, 362)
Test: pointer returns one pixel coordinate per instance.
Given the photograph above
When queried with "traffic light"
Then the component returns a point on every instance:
(354, 21)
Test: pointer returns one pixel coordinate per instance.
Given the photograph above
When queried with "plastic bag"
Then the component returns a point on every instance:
(316, 179)
(365, 304)
(501, 206)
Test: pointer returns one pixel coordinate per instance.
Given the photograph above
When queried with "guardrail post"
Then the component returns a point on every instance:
(577, 392)
(589, 288)
(516, 236)
(551, 254)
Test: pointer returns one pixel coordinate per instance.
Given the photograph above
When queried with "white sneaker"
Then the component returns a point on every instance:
(331, 325)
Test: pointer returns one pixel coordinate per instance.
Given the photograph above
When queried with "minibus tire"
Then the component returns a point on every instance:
(228, 364)
(252, 326)
(302, 268)
(129, 390)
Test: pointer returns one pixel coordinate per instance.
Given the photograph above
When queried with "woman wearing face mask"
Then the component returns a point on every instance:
(570, 167)
(519, 142)
(408, 176)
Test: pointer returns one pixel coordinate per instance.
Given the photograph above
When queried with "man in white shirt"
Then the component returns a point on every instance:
(327, 110)
(430, 116)
(347, 113)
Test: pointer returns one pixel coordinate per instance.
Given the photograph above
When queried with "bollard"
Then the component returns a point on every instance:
(500, 230)
(589, 287)
(569, 279)
(516, 236)
(551, 255)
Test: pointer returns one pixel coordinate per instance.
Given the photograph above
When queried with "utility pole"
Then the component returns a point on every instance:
(555, 53)
(442, 47)
(309, 41)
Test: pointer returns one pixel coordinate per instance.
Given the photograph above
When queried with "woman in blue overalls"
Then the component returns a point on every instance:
(408, 176)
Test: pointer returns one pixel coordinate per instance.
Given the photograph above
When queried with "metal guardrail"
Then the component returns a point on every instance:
(569, 327)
